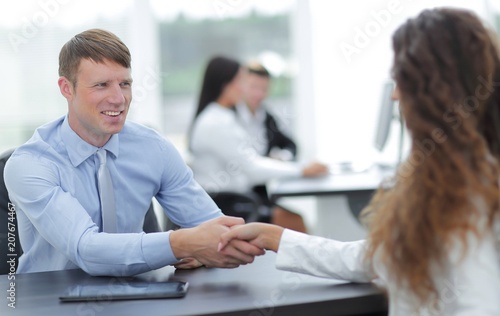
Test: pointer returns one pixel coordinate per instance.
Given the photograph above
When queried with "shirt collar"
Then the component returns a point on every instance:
(79, 150)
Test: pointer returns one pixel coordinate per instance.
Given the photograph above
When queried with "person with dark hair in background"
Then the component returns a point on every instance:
(434, 237)
(222, 156)
(83, 183)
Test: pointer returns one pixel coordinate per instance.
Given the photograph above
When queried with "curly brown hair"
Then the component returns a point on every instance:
(447, 70)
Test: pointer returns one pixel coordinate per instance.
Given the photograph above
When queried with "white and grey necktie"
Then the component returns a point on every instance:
(106, 194)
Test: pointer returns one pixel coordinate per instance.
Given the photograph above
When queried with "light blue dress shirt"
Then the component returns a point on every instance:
(52, 181)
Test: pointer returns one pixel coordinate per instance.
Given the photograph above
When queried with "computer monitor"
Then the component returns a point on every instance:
(385, 116)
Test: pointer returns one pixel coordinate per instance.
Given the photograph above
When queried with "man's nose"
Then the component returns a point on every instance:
(116, 95)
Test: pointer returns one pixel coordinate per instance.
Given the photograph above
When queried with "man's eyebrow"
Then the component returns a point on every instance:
(130, 80)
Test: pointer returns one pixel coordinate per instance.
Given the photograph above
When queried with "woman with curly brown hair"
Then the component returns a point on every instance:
(434, 235)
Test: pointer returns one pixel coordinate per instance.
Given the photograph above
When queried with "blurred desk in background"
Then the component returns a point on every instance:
(341, 195)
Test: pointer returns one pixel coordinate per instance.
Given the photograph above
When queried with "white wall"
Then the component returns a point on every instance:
(347, 84)
(303, 87)
(145, 50)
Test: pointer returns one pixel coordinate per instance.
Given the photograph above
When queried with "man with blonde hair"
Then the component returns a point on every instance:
(83, 182)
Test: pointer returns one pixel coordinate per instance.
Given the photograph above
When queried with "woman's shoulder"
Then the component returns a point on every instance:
(216, 115)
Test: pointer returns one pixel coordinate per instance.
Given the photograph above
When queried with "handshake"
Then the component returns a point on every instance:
(224, 242)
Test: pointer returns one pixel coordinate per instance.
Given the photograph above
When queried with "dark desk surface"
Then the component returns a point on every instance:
(342, 183)
(251, 290)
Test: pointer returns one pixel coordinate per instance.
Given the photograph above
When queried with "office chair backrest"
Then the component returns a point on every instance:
(151, 224)
(10, 248)
(238, 205)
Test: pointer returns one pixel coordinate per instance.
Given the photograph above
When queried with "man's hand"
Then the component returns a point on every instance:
(201, 243)
(188, 263)
(315, 169)
(263, 236)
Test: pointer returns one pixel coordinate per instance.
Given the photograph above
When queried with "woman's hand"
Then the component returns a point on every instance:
(261, 235)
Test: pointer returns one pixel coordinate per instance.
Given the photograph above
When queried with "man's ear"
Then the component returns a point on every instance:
(66, 88)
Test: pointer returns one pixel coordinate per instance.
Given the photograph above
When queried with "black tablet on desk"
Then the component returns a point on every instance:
(108, 291)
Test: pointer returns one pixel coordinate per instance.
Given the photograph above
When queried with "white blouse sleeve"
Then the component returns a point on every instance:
(323, 257)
